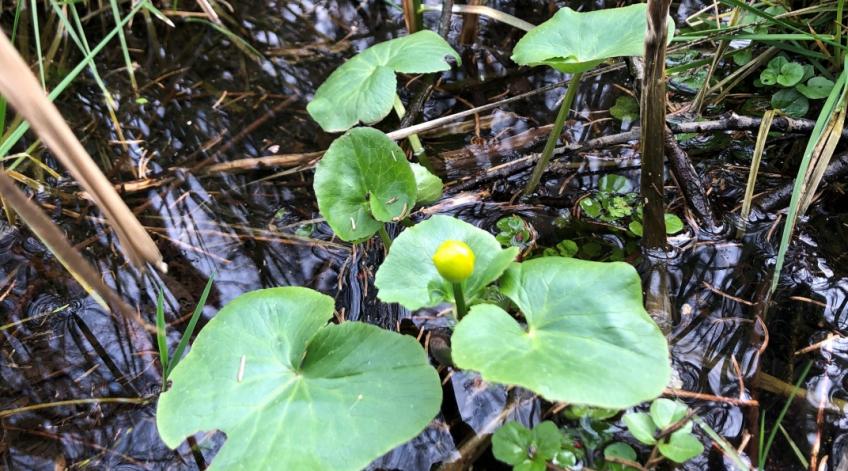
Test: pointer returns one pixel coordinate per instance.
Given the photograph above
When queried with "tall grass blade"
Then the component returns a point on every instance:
(22, 91)
(819, 142)
(725, 446)
(36, 28)
(127, 60)
(764, 452)
(19, 131)
(759, 147)
(192, 323)
(801, 458)
(161, 331)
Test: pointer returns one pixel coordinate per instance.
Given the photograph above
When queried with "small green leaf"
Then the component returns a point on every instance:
(636, 228)
(790, 102)
(409, 277)
(547, 440)
(429, 186)
(742, 56)
(567, 248)
(666, 412)
(816, 88)
(363, 181)
(579, 314)
(790, 74)
(575, 42)
(619, 450)
(287, 388)
(591, 207)
(641, 426)
(611, 183)
(363, 88)
(626, 109)
(511, 443)
(577, 412)
(681, 446)
(673, 224)
(565, 459)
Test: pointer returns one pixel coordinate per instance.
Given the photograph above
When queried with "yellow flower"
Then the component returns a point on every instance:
(454, 260)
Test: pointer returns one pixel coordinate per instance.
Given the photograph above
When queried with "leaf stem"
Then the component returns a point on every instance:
(564, 108)
(459, 298)
(387, 241)
(414, 141)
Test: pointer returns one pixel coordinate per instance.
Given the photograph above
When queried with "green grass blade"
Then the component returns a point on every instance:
(801, 458)
(237, 40)
(16, 135)
(37, 32)
(765, 452)
(161, 330)
(726, 447)
(798, 189)
(127, 60)
(192, 323)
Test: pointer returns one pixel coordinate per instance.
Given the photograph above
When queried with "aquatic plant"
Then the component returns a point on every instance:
(574, 42)
(364, 88)
(270, 362)
(364, 181)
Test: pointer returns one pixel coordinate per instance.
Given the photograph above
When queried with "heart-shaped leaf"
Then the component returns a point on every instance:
(362, 181)
(409, 277)
(575, 42)
(816, 88)
(681, 446)
(364, 87)
(588, 338)
(290, 390)
(791, 102)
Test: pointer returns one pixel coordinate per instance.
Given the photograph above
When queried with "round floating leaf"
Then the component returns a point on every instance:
(575, 42)
(364, 87)
(362, 181)
(409, 277)
(588, 338)
(429, 186)
(292, 392)
(816, 88)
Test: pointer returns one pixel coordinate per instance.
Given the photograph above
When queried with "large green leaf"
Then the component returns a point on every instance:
(292, 392)
(409, 277)
(362, 181)
(588, 338)
(429, 186)
(575, 42)
(363, 88)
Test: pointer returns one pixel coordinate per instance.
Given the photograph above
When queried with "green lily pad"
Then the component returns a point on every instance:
(288, 389)
(409, 277)
(588, 338)
(429, 186)
(575, 42)
(363, 88)
(362, 181)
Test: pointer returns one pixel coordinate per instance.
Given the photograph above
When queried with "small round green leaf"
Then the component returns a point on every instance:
(666, 412)
(363, 88)
(288, 389)
(429, 187)
(362, 181)
(588, 338)
(575, 42)
(790, 74)
(816, 88)
(626, 109)
(790, 102)
(641, 426)
(619, 450)
(681, 446)
(673, 224)
(409, 277)
(511, 443)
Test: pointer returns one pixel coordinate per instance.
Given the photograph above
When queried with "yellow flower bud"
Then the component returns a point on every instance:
(454, 260)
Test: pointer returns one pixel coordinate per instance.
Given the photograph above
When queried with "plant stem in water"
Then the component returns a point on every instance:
(459, 298)
(564, 108)
(417, 148)
(387, 241)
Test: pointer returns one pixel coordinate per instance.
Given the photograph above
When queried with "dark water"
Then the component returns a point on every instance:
(210, 101)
